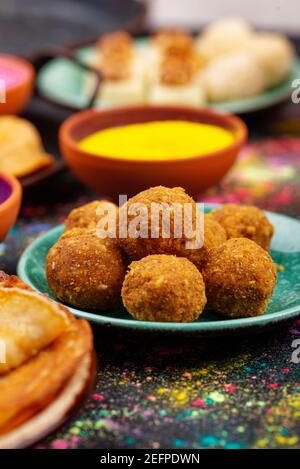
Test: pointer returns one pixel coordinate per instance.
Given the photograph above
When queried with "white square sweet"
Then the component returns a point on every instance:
(131, 90)
(190, 94)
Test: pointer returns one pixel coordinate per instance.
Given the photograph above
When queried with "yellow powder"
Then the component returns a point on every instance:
(161, 140)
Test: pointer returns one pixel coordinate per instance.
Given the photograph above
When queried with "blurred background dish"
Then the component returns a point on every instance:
(228, 65)
(112, 176)
(10, 202)
(60, 81)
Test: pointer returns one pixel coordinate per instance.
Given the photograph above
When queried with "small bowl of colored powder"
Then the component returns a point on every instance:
(125, 150)
(10, 202)
(16, 83)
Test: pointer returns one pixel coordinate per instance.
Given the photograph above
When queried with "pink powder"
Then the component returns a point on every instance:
(10, 76)
(60, 444)
(12, 72)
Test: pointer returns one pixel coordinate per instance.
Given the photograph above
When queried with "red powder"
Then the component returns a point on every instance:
(198, 403)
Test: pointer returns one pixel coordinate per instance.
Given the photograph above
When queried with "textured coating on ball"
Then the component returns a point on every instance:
(137, 248)
(164, 288)
(87, 216)
(239, 278)
(214, 236)
(86, 271)
(245, 221)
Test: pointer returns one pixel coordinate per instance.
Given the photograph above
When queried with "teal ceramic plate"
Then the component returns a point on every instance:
(62, 81)
(284, 305)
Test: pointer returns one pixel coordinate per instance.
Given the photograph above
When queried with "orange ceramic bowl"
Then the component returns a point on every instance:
(10, 202)
(17, 77)
(111, 176)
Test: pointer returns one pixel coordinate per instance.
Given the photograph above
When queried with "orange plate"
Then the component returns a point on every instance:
(111, 176)
(39, 395)
(57, 412)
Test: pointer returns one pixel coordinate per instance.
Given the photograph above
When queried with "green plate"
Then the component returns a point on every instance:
(284, 304)
(62, 81)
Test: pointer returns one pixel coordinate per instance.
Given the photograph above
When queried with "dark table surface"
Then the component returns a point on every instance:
(242, 392)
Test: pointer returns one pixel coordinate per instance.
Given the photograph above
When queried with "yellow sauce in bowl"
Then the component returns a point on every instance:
(157, 140)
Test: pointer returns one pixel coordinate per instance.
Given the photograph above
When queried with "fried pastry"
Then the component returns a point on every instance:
(21, 149)
(45, 359)
(29, 388)
(28, 323)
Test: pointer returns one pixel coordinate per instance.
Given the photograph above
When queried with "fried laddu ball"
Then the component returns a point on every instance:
(86, 271)
(275, 54)
(139, 247)
(235, 75)
(164, 288)
(245, 221)
(223, 36)
(87, 216)
(214, 236)
(239, 278)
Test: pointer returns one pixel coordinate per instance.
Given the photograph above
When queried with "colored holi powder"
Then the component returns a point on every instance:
(198, 403)
(97, 397)
(157, 140)
(230, 387)
(179, 396)
(289, 441)
(216, 396)
(232, 445)
(177, 443)
(162, 390)
(209, 440)
(5, 190)
(74, 431)
(11, 75)
(60, 444)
